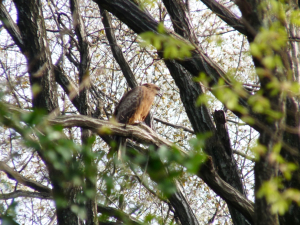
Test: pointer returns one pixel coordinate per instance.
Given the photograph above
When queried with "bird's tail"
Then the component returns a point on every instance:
(121, 143)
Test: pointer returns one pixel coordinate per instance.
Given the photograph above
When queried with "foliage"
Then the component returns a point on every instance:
(172, 48)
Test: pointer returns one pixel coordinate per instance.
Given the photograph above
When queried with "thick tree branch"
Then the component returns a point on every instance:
(250, 16)
(225, 191)
(227, 16)
(140, 133)
(35, 48)
(222, 131)
(181, 19)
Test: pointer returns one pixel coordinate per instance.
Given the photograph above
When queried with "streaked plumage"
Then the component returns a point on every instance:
(134, 107)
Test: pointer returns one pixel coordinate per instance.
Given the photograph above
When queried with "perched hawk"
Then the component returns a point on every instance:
(133, 108)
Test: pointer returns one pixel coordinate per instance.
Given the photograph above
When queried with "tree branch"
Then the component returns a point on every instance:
(11, 27)
(227, 16)
(36, 50)
(67, 85)
(12, 174)
(84, 76)
(144, 134)
(26, 194)
(116, 50)
(222, 131)
(232, 197)
(174, 125)
(147, 135)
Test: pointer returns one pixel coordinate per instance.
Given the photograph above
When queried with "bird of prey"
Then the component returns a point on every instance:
(133, 108)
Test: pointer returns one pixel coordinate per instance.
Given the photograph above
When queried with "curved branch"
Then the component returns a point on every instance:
(140, 133)
(232, 197)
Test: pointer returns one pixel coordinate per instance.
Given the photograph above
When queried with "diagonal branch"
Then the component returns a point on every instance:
(116, 49)
(10, 26)
(227, 16)
(222, 131)
(14, 175)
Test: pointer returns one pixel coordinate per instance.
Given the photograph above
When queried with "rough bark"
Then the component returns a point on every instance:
(32, 27)
(264, 170)
(292, 139)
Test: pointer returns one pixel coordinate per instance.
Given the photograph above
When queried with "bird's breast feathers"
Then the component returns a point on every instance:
(135, 104)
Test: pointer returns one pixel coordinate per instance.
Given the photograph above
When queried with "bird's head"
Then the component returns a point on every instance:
(154, 88)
